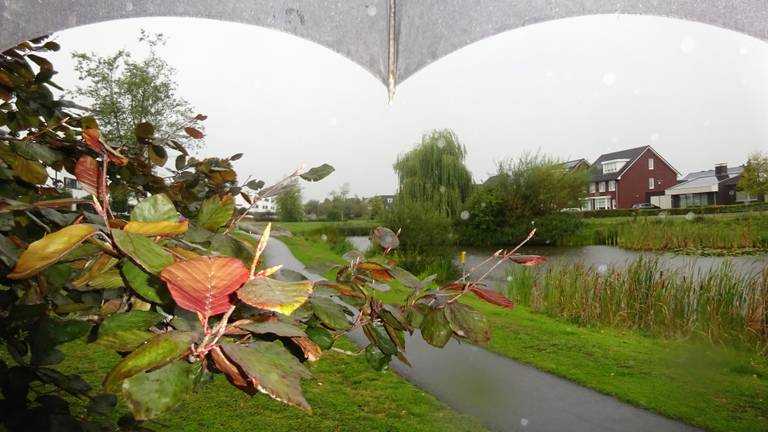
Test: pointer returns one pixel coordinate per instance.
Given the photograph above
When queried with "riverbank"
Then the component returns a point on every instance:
(729, 234)
(718, 388)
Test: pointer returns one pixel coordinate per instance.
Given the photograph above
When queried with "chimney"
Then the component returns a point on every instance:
(721, 171)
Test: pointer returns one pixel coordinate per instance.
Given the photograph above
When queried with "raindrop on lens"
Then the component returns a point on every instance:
(464, 215)
(442, 189)
(602, 269)
(370, 10)
(324, 237)
(688, 45)
(609, 79)
(524, 422)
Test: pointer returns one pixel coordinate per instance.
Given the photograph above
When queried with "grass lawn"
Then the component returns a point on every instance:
(347, 395)
(717, 388)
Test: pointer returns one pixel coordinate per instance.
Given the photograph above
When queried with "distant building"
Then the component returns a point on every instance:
(576, 164)
(266, 206)
(712, 187)
(387, 200)
(624, 178)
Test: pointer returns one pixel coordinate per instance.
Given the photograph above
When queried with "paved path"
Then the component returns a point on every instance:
(504, 394)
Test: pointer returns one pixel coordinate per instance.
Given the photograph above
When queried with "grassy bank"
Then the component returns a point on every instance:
(715, 387)
(716, 234)
(346, 395)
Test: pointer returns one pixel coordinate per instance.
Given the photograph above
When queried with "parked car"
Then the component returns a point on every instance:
(645, 206)
(570, 210)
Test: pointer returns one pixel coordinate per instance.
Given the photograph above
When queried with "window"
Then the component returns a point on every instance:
(592, 187)
(602, 203)
(602, 187)
(613, 166)
(611, 185)
(70, 183)
(650, 164)
(651, 182)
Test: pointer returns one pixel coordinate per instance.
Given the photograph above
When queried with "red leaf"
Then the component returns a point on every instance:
(527, 260)
(92, 138)
(88, 173)
(493, 297)
(194, 133)
(204, 284)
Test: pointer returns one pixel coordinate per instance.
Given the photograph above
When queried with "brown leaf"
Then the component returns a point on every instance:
(493, 297)
(88, 174)
(194, 133)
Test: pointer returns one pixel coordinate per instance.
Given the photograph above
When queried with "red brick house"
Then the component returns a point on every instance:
(624, 178)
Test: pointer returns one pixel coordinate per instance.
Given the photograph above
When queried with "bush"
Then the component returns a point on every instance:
(426, 239)
(715, 209)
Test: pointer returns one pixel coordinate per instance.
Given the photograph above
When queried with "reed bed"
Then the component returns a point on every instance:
(655, 233)
(719, 305)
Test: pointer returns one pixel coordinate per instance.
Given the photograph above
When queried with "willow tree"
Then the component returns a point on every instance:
(434, 173)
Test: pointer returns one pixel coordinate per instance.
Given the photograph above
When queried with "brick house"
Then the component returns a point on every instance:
(624, 178)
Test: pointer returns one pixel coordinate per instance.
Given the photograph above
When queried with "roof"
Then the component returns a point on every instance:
(596, 171)
(705, 181)
(574, 163)
(732, 171)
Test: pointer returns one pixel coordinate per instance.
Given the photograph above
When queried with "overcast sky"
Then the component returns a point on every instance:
(571, 88)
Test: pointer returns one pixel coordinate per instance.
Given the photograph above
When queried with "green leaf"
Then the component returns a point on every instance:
(435, 328)
(102, 404)
(376, 358)
(126, 331)
(468, 323)
(109, 279)
(322, 337)
(146, 285)
(144, 251)
(318, 173)
(330, 313)
(151, 394)
(30, 171)
(255, 184)
(160, 350)
(48, 333)
(157, 208)
(215, 212)
(275, 327)
(34, 151)
(378, 335)
(273, 369)
(274, 295)
(144, 130)
(58, 275)
(181, 162)
(49, 250)
(9, 252)
(386, 238)
(158, 155)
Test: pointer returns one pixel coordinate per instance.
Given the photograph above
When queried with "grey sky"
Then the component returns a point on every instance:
(570, 88)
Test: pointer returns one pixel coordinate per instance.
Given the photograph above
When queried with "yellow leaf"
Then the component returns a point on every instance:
(161, 228)
(49, 249)
(186, 254)
(99, 265)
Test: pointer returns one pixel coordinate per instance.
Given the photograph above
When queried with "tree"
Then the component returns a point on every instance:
(754, 178)
(376, 208)
(531, 188)
(434, 173)
(177, 289)
(125, 92)
(289, 207)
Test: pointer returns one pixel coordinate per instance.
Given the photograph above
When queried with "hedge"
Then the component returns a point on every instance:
(715, 209)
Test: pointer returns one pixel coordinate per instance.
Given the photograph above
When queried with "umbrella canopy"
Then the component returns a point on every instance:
(393, 39)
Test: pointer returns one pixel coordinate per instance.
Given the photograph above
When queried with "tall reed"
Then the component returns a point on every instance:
(720, 304)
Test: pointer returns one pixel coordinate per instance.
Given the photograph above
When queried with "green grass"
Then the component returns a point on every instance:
(714, 387)
(298, 228)
(347, 395)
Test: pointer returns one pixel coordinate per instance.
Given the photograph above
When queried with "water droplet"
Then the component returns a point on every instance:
(743, 51)
(371, 10)
(464, 215)
(614, 140)
(654, 136)
(441, 142)
(324, 237)
(482, 205)
(523, 422)
(707, 123)
(636, 92)
(334, 121)
(509, 278)
(609, 79)
(688, 45)
(602, 269)
(442, 189)
(549, 74)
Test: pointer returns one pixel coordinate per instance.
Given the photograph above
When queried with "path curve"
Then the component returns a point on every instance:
(504, 394)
